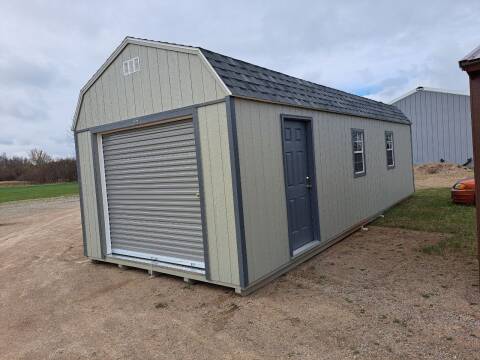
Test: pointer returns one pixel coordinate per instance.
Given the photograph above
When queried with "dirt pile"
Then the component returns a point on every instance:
(440, 168)
(435, 175)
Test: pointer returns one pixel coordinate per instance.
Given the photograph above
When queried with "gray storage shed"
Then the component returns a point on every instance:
(441, 126)
(202, 166)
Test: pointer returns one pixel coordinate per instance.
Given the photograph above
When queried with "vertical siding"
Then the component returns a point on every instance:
(89, 199)
(343, 200)
(167, 80)
(261, 167)
(218, 194)
(441, 126)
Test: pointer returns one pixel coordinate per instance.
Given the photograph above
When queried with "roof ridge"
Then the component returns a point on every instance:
(161, 42)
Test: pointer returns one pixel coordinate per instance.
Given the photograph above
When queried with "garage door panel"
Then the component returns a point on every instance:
(151, 179)
(152, 131)
(147, 158)
(146, 144)
(142, 223)
(160, 239)
(140, 217)
(164, 209)
(147, 141)
(140, 134)
(153, 148)
(166, 186)
(186, 146)
(185, 233)
(152, 170)
(167, 216)
(164, 180)
(154, 164)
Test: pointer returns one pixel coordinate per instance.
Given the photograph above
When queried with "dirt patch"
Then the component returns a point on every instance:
(437, 175)
(372, 296)
(13, 183)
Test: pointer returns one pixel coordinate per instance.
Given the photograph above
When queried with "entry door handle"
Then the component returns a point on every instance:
(308, 182)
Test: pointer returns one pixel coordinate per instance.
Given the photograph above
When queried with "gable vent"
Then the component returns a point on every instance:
(131, 66)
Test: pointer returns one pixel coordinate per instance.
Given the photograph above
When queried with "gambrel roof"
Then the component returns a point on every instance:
(247, 80)
(242, 79)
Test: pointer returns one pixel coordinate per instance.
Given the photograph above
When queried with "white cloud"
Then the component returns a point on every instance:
(379, 49)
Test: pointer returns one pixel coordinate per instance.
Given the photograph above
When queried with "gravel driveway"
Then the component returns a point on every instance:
(372, 296)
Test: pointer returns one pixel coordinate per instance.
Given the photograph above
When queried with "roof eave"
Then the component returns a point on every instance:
(405, 121)
(470, 65)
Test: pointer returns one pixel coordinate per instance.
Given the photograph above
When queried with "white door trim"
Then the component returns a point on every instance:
(103, 183)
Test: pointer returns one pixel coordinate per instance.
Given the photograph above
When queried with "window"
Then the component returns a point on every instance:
(389, 149)
(358, 144)
(131, 66)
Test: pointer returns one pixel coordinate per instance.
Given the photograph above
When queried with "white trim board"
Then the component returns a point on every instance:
(106, 216)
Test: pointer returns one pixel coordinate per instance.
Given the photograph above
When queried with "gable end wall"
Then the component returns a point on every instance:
(167, 80)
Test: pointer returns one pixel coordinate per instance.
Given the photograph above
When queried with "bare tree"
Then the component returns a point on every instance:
(39, 157)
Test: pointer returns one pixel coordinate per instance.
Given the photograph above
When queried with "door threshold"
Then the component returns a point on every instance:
(305, 248)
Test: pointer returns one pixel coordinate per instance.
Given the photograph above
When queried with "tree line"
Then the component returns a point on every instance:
(37, 168)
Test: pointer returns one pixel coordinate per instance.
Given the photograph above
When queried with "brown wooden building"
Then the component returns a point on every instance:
(471, 64)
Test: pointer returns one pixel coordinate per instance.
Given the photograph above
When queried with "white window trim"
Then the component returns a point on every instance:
(392, 150)
(364, 170)
(131, 66)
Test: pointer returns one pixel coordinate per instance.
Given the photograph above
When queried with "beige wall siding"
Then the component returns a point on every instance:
(218, 194)
(343, 200)
(261, 171)
(167, 80)
(89, 199)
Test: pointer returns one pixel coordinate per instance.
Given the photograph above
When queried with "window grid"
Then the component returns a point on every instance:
(389, 148)
(358, 147)
(131, 66)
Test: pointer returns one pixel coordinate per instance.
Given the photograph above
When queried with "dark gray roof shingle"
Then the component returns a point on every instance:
(248, 80)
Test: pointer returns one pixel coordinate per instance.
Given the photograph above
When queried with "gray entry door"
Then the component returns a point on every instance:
(298, 181)
(152, 185)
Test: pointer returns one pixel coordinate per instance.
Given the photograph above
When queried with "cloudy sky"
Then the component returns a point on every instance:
(379, 49)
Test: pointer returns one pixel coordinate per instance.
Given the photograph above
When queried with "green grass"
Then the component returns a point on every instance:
(26, 192)
(432, 210)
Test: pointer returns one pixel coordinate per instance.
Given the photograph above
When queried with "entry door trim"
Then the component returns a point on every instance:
(100, 181)
(311, 169)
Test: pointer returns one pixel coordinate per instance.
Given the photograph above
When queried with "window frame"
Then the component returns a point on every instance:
(392, 166)
(131, 66)
(364, 158)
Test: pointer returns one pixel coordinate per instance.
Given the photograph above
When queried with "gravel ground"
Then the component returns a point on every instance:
(372, 296)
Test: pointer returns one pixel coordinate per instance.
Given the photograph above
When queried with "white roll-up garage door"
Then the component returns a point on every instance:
(151, 179)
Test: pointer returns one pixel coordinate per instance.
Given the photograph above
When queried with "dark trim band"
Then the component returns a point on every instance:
(99, 195)
(203, 211)
(237, 191)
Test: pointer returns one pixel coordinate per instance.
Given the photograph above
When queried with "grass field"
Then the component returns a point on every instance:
(432, 210)
(25, 192)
